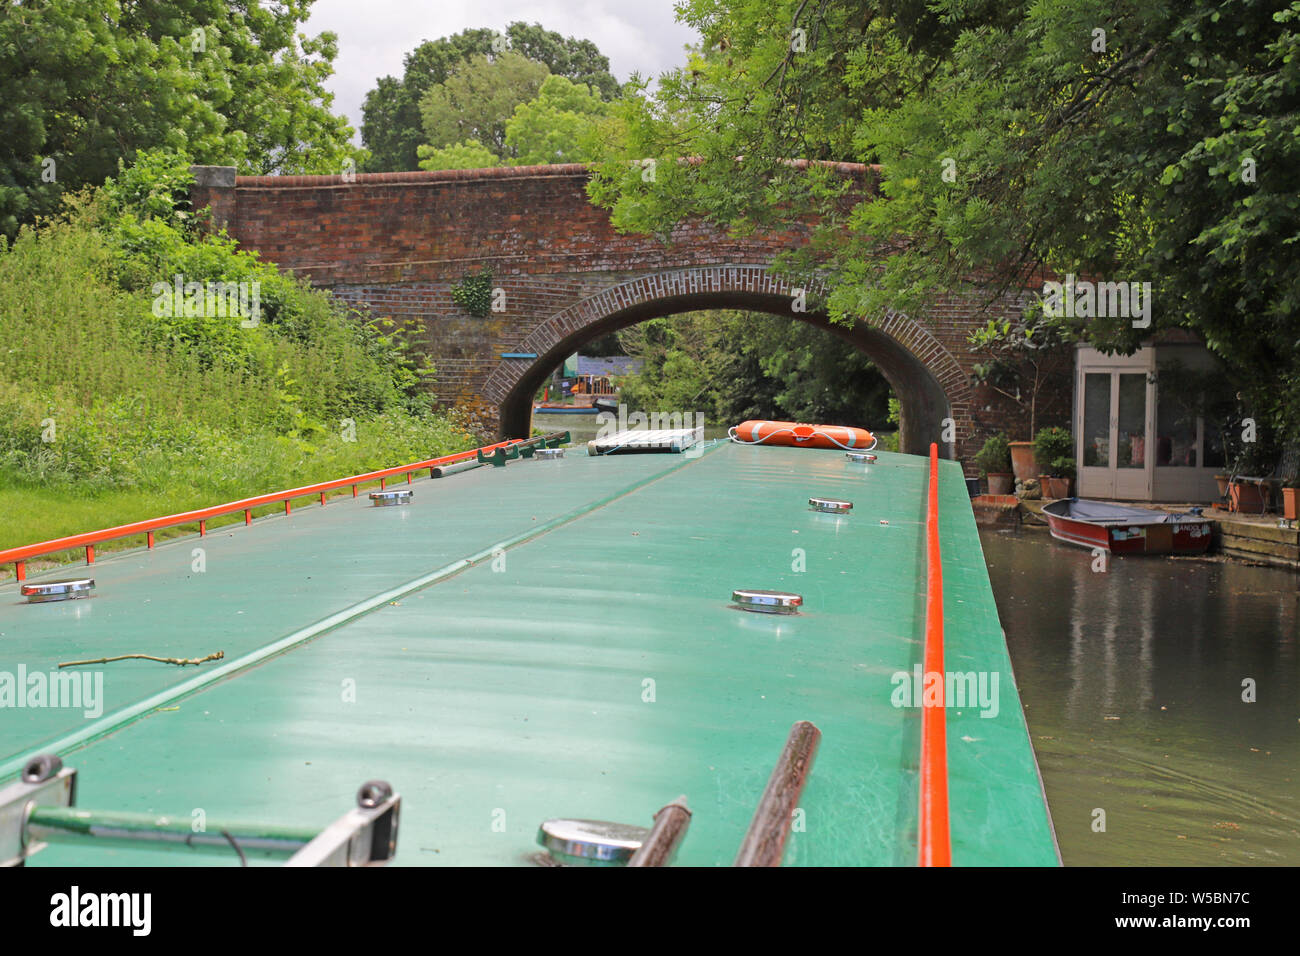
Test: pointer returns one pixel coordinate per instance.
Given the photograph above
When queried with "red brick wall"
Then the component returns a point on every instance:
(398, 242)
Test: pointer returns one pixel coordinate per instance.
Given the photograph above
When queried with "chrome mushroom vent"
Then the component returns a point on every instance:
(766, 602)
(382, 499)
(66, 590)
(590, 842)
(830, 506)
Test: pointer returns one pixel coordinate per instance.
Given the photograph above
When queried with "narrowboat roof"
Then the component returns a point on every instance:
(549, 639)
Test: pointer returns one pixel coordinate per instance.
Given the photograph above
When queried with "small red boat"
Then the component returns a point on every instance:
(1124, 530)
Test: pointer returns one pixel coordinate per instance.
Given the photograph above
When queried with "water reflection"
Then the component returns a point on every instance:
(1132, 681)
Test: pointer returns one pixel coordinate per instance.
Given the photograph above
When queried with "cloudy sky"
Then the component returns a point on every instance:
(637, 35)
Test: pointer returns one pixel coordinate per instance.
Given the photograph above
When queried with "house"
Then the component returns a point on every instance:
(1132, 442)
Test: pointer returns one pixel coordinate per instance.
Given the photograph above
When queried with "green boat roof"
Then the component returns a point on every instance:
(548, 639)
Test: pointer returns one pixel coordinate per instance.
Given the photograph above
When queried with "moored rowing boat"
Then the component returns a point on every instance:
(1121, 529)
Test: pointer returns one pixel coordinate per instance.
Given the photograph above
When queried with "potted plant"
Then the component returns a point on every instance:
(1023, 461)
(1247, 493)
(994, 461)
(1062, 477)
(1054, 450)
(1021, 358)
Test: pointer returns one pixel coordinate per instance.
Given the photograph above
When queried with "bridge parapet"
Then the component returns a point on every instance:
(399, 243)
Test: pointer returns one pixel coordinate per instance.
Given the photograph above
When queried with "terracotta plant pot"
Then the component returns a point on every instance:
(1289, 503)
(1246, 498)
(1001, 484)
(1223, 485)
(1055, 487)
(1022, 459)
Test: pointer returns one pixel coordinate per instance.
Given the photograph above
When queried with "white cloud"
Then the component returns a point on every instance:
(374, 35)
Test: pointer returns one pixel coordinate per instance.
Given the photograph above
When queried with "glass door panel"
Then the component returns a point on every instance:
(1096, 420)
(1096, 452)
(1134, 396)
(1132, 437)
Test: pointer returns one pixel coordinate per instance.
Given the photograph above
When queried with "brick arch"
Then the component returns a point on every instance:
(399, 245)
(923, 373)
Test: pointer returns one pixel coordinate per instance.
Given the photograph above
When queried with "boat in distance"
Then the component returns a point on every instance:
(1122, 529)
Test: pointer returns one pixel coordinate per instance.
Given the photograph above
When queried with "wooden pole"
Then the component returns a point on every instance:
(668, 832)
(764, 842)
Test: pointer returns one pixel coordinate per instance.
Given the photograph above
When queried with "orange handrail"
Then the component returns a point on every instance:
(89, 539)
(934, 840)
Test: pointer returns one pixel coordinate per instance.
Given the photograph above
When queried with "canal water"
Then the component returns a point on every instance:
(1132, 681)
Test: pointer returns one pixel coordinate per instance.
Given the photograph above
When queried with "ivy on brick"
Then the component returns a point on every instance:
(473, 293)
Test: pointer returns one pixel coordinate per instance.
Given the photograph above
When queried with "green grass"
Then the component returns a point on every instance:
(114, 411)
(32, 515)
(40, 514)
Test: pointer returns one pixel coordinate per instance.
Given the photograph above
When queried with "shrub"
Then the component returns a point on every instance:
(1062, 467)
(995, 457)
(100, 393)
(1053, 446)
(474, 293)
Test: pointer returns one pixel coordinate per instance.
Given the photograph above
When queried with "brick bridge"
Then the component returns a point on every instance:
(398, 242)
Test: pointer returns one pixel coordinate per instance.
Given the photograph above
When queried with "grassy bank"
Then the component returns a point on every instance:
(114, 409)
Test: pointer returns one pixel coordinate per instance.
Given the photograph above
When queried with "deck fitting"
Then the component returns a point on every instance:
(382, 499)
(69, 589)
(591, 842)
(766, 602)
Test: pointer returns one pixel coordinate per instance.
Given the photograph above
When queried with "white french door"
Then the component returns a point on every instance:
(1113, 419)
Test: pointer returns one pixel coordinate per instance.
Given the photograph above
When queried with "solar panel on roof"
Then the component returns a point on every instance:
(634, 440)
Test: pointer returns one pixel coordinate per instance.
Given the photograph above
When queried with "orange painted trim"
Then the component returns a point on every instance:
(934, 840)
(90, 538)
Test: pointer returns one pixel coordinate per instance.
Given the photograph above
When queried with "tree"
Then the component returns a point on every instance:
(1021, 357)
(739, 365)
(90, 82)
(1140, 140)
(569, 57)
(477, 99)
(471, 154)
(392, 128)
(558, 126)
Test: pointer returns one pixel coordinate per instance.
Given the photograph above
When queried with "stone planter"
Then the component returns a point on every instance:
(1022, 459)
(1001, 484)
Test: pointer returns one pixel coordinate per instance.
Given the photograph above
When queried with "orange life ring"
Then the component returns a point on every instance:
(798, 435)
